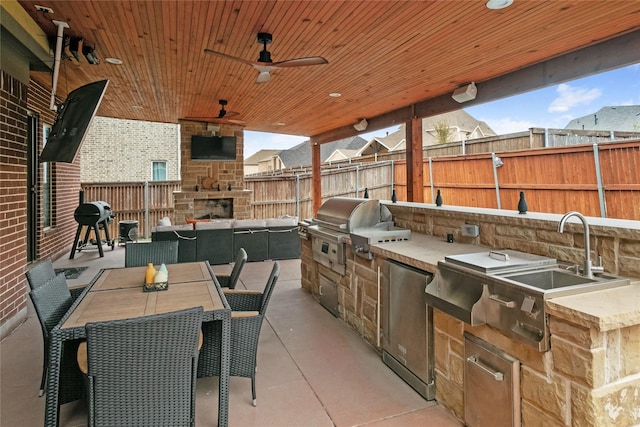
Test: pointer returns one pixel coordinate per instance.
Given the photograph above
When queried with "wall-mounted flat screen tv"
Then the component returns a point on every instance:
(72, 121)
(208, 148)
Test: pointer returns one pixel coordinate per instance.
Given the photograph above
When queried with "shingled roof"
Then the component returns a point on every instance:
(624, 118)
(300, 155)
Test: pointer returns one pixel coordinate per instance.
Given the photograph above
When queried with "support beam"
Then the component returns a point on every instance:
(316, 177)
(598, 58)
(415, 181)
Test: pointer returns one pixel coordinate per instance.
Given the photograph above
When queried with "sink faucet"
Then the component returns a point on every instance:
(588, 268)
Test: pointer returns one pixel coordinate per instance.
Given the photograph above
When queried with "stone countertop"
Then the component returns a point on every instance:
(423, 251)
(603, 310)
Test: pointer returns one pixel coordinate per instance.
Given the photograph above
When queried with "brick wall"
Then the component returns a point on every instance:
(13, 202)
(54, 241)
(117, 150)
(16, 99)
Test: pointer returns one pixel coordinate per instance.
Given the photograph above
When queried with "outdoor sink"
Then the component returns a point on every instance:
(569, 282)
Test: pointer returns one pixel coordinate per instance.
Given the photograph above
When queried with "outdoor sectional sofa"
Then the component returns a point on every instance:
(219, 240)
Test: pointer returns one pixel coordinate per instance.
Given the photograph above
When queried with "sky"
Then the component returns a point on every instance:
(551, 107)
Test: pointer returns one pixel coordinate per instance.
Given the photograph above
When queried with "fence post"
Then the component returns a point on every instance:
(393, 183)
(433, 200)
(357, 181)
(601, 198)
(495, 178)
(298, 196)
(146, 209)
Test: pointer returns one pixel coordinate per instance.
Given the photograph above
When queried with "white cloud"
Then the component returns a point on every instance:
(570, 96)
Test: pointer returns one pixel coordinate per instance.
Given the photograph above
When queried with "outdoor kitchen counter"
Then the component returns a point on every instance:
(603, 310)
(423, 251)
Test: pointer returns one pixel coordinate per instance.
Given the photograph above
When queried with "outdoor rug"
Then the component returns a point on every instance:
(71, 273)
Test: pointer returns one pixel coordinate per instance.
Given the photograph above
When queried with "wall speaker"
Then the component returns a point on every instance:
(361, 125)
(465, 93)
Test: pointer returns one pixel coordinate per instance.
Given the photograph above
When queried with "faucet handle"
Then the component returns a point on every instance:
(598, 268)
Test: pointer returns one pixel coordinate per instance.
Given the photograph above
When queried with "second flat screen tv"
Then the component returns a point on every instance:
(208, 148)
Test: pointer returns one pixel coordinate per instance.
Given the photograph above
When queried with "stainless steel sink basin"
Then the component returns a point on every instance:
(569, 282)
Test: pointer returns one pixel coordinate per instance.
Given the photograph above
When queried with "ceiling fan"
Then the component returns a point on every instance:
(265, 65)
(223, 116)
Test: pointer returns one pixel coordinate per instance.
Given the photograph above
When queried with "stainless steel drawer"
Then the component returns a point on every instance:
(491, 385)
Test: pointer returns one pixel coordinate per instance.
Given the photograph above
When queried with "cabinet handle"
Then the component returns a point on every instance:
(498, 376)
(500, 300)
(320, 290)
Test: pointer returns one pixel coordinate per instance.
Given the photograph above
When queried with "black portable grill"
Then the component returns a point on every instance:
(94, 216)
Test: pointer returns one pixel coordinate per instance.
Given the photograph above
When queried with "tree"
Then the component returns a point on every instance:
(443, 132)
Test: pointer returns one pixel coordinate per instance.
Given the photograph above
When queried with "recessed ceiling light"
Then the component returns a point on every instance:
(115, 61)
(280, 124)
(335, 95)
(498, 4)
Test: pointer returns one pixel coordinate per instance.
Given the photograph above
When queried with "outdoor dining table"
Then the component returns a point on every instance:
(117, 293)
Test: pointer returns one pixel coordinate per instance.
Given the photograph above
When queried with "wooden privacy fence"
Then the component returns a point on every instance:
(600, 179)
(594, 179)
(145, 202)
(291, 194)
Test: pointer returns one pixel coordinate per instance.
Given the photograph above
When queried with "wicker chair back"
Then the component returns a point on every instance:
(139, 254)
(142, 371)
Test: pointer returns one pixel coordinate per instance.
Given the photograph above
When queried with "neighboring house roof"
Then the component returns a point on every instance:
(461, 123)
(342, 154)
(300, 155)
(259, 156)
(624, 118)
(379, 144)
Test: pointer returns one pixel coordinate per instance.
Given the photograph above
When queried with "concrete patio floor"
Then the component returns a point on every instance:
(313, 370)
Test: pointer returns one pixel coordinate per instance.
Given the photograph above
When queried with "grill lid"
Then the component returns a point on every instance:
(346, 213)
(499, 261)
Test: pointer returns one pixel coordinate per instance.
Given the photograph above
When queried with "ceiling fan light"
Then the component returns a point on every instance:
(498, 4)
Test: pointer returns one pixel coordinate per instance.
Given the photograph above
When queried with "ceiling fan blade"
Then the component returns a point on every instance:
(217, 120)
(233, 58)
(300, 62)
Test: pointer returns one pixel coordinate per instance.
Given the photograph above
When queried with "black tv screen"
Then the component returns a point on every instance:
(72, 121)
(207, 148)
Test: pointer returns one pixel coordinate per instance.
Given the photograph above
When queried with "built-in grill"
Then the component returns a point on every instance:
(364, 221)
(95, 216)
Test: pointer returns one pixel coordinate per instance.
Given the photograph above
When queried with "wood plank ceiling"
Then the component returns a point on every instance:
(383, 55)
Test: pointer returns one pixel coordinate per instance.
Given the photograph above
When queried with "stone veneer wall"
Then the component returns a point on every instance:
(591, 377)
(224, 174)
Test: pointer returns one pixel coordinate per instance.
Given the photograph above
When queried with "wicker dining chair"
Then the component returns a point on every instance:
(139, 254)
(142, 371)
(248, 311)
(42, 272)
(51, 301)
(230, 280)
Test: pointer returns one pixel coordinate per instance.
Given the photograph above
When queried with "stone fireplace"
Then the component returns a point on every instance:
(213, 208)
(211, 188)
